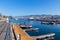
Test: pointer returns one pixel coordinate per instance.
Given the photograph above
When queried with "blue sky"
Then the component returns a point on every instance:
(29, 7)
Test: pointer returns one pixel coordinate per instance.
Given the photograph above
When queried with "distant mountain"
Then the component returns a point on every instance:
(46, 16)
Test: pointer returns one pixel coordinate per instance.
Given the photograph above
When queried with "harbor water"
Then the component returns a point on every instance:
(43, 28)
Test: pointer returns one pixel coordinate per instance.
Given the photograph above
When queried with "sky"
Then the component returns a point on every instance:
(29, 7)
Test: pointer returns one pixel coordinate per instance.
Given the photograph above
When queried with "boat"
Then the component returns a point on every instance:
(47, 23)
(27, 27)
(31, 29)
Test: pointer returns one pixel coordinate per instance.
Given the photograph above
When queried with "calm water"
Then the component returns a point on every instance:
(43, 29)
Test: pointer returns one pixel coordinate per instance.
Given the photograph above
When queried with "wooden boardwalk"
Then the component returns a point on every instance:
(3, 29)
(23, 34)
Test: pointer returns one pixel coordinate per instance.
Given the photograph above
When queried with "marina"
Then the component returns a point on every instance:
(30, 20)
(15, 31)
(43, 29)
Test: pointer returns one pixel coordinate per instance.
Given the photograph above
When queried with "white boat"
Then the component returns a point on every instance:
(31, 29)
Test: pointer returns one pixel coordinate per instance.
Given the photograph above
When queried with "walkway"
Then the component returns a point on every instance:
(23, 34)
(3, 29)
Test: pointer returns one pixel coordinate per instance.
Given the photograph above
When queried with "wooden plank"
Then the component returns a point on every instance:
(3, 29)
(23, 34)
